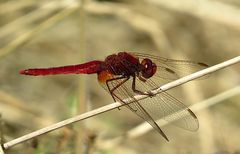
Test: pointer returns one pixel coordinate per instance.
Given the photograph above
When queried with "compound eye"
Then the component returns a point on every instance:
(149, 68)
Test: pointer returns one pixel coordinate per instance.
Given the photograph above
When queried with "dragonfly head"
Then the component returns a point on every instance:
(148, 68)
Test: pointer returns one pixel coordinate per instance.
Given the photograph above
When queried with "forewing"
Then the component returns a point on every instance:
(170, 69)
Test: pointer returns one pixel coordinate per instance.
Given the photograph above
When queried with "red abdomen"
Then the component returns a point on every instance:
(86, 68)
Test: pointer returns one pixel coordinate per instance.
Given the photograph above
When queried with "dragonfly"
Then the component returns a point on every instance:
(126, 74)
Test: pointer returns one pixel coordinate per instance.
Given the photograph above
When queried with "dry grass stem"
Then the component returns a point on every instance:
(118, 104)
(1, 150)
(83, 103)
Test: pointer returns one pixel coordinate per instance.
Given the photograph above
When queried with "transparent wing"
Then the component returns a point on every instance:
(170, 69)
(165, 106)
(162, 106)
(152, 109)
(176, 112)
(125, 91)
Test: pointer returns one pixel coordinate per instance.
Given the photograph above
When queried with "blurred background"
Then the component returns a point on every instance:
(51, 33)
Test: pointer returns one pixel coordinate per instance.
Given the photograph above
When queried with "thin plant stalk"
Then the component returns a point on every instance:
(118, 104)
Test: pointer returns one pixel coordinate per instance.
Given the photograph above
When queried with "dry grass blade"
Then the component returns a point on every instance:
(118, 104)
(10, 105)
(1, 135)
(22, 22)
(11, 6)
(31, 33)
(1, 150)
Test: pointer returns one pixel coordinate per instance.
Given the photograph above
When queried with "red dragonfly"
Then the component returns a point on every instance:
(126, 74)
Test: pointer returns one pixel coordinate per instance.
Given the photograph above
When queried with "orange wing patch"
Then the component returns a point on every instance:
(104, 76)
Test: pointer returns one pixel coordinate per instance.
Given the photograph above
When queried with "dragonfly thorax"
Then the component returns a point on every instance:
(126, 64)
(123, 64)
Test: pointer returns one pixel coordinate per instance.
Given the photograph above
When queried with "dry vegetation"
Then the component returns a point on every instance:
(62, 32)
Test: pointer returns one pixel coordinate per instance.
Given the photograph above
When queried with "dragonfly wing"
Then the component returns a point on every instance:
(125, 91)
(170, 69)
(164, 106)
(147, 116)
(177, 113)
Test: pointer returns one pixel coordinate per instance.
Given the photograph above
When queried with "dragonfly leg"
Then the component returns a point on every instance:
(117, 86)
(114, 88)
(138, 91)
